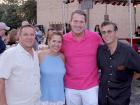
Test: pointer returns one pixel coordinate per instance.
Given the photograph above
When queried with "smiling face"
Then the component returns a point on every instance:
(27, 37)
(55, 43)
(109, 34)
(78, 24)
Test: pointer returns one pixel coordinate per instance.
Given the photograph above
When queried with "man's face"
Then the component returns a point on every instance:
(78, 24)
(27, 37)
(108, 34)
(2, 32)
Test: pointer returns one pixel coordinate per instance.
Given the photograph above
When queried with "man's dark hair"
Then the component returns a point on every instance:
(24, 26)
(80, 12)
(105, 23)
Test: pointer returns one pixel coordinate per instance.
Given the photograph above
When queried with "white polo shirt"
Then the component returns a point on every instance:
(22, 74)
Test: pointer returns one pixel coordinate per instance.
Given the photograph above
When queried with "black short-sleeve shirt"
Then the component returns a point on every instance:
(116, 74)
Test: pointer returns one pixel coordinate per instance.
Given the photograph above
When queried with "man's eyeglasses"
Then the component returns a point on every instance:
(106, 32)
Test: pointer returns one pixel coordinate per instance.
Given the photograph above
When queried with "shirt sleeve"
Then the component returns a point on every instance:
(5, 65)
(99, 56)
(99, 39)
(134, 61)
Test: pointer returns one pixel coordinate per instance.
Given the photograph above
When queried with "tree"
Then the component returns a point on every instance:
(29, 9)
(10, 15)
(18, 2)
(13, 12)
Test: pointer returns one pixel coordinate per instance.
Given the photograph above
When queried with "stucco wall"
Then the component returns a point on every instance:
(52, 11)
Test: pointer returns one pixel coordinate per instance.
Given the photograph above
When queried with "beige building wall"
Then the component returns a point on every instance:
(54, 11)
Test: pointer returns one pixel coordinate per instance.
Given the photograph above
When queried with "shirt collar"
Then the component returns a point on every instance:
(83, 38)
(117, 49)
(21, 49)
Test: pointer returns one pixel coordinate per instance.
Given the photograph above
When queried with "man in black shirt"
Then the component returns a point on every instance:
(3, 28)
(117, 62)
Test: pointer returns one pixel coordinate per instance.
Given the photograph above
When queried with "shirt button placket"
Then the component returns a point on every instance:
(109, 74)
(110, 66)
(108, 89)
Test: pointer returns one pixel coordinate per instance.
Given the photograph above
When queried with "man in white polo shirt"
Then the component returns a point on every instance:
(19, 71)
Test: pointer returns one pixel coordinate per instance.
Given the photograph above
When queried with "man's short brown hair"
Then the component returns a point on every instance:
(24, 26)
(105, 23)
(80, 12)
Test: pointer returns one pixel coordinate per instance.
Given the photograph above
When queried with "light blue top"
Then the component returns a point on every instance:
(52, 71)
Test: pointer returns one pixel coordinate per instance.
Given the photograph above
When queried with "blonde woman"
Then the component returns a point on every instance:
(52, 71)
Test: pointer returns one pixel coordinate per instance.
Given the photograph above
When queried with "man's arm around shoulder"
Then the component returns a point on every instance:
(2, 92)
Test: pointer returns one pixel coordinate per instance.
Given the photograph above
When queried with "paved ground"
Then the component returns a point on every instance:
(135, 98)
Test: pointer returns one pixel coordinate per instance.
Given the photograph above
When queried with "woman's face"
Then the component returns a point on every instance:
(55, 43)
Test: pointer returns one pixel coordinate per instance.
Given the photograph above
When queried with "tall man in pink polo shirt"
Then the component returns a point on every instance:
(80, 50)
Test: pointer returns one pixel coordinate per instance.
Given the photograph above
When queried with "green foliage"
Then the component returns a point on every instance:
(29, 10)
(10, 15)
(13, 12)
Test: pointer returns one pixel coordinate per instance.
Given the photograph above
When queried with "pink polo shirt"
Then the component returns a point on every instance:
(81, 64)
